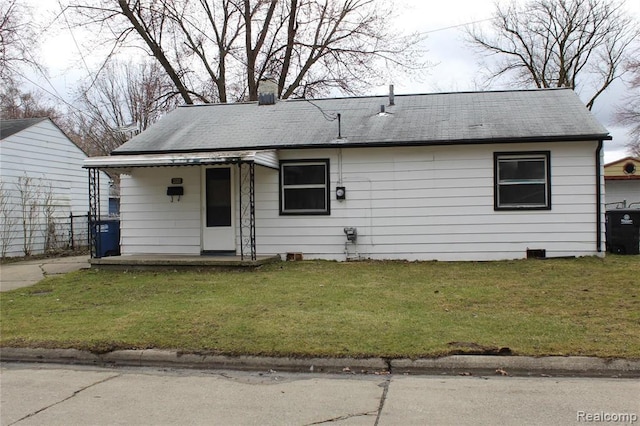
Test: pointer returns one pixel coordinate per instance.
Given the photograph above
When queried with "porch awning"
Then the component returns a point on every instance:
(267, 158)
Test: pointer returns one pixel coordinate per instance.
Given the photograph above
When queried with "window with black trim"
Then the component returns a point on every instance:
(522, 181)
(304, 187)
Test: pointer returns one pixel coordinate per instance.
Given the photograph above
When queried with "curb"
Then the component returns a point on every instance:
(575, 366)
(465, 365)
(176, 359)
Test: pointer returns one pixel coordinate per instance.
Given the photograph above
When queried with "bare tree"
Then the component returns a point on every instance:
(218, 50)
(317, 46)
(28, 199)
(17, 40)
(8, 220)
(37, 215)
(48, 209)
(580, 44)
(629, 114)
(123, 100)
(15, 103)
(209, 31)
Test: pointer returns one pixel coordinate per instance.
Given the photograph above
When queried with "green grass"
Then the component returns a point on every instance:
(585, 306)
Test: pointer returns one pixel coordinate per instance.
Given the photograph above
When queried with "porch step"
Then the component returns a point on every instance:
(156, 262)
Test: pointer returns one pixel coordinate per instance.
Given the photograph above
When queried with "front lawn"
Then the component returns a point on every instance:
(586, 306)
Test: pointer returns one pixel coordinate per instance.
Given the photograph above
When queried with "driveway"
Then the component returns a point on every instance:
(29, 272)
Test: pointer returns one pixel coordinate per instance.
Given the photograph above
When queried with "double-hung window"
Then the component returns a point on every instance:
(304, 187)
(522, 180)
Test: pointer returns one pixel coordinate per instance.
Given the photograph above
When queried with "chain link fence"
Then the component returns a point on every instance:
(78, 232)
(57, 234)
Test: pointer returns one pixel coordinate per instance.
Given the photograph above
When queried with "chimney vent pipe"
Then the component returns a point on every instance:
(267, 91)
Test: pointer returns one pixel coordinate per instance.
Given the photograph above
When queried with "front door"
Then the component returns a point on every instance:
(218, 232)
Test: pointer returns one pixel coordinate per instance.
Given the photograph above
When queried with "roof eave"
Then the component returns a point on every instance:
(344, 143)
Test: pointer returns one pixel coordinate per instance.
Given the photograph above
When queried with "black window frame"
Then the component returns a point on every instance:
(327, 195)
(498, 204)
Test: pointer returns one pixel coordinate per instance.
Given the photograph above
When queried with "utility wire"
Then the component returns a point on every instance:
(53, 92)
(55, 95)
(454, 26)
(327, 116)
(75, 41)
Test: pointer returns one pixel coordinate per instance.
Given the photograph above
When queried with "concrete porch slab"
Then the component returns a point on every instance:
(155, 262)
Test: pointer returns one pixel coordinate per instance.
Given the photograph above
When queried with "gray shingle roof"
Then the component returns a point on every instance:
(11, 127)
(447, 118)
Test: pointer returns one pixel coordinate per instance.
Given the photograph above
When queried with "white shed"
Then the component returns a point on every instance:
(42, 185)
(453, 176)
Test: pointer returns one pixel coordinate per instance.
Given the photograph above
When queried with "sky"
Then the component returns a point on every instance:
(456, 67)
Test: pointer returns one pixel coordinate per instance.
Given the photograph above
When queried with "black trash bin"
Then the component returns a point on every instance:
(107, 238)
(623, 231)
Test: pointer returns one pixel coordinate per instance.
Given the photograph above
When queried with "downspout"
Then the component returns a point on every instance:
(598, 198)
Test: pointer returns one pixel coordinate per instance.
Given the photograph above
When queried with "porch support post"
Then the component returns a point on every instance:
(247, 210)
(94, 211)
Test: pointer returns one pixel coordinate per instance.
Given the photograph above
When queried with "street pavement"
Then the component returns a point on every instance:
(50, 394)
(29, 272)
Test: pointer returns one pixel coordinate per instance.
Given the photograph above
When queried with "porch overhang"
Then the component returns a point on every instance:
(244, 160)
(266, 158)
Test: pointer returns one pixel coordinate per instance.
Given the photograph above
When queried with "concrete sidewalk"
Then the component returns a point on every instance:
(30, 272)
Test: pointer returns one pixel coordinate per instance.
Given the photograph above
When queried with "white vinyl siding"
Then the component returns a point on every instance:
(150, 222)
(413, 203)
(421, 203)
(43, 153)
(622, 193)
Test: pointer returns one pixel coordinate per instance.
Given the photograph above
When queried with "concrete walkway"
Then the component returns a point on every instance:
(30, 272)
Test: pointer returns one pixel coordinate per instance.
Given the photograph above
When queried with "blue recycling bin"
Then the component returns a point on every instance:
(107, 238)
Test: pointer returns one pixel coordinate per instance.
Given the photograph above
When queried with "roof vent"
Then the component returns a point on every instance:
(267, 91)
(629, 168)
(266, 99)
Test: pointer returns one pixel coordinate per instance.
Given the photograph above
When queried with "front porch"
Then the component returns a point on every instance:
(173, 262)
(224, 202)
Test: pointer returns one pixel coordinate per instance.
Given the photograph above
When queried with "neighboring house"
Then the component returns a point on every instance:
(452, 176)
(43, 184)
(622, 183)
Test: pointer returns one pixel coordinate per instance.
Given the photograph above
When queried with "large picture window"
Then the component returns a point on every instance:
(522, 181)
(304, 187)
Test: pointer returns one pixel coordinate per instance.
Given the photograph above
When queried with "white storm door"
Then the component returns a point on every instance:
(218, 231)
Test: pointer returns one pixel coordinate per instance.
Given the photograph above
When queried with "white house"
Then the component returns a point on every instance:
(451, 176)
(622, 183)
(43, 184)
